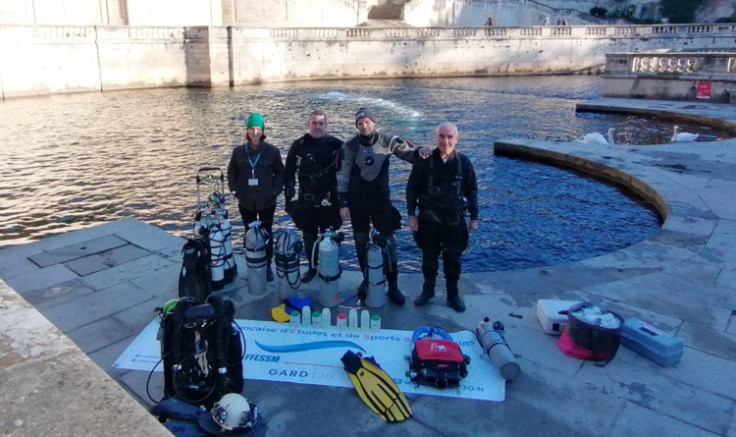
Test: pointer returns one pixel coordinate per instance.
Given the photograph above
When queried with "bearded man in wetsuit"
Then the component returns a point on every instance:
(365, 198)
(313, 160)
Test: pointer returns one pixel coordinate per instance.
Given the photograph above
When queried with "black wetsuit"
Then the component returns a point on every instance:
(314, 163)
(442, 191)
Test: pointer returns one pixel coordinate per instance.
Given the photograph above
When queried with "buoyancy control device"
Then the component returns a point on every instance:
(194, 277)
(288, 246)
(436, 359)
(256, 240)
(329, 267)
(202, 349)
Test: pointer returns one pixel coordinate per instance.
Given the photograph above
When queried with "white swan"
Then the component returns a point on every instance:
(598, 138)
(678, 136)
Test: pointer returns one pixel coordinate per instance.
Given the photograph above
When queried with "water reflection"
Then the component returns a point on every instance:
(74, 160)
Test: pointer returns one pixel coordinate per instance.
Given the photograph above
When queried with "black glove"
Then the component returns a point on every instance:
(289, 193)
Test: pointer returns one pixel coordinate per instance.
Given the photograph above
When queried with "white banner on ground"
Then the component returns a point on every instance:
(310, 355)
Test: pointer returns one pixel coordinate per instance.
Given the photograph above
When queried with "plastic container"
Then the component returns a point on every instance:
(306, 315)
(342, 320)
(326, 317)
(375, 322)
(353, 318)
(649, 341)
(593, 329)
(365, 320)
(295, 318)
(552, 314)
(316, 318)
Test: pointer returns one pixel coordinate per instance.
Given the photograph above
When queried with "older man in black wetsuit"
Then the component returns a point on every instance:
(313, 160)
(443, 187)
(362, 184)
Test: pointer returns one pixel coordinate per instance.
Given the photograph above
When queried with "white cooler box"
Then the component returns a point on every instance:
(552, 314)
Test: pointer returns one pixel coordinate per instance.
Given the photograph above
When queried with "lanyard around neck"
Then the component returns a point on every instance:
(252, 162)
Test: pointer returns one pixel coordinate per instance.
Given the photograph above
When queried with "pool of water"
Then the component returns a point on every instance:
(69, 161)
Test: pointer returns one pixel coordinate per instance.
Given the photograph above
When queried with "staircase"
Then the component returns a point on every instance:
(391, 10)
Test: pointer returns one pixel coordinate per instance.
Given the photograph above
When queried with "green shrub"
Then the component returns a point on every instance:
(598, 11)
(679, 11)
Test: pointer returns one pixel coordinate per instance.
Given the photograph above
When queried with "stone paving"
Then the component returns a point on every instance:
(100, 285)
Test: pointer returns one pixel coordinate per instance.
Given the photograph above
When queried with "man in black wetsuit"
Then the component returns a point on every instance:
(362, 184)
(443, 187)
(313, 160)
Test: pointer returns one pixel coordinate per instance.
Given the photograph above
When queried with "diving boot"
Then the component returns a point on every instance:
(394, 294)
(427, 294)
(310, 240)
(309, 274)
(453, 297)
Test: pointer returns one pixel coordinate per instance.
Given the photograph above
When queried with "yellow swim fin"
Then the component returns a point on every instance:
(376, 388)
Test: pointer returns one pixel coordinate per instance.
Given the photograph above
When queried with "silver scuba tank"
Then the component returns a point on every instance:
(288, 245)
(329, 268)
(375, 296)
(492, 339)
(217, 251)
(230, 268)
(255, 258)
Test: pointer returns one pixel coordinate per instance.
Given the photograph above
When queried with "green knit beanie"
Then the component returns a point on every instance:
(255, 119)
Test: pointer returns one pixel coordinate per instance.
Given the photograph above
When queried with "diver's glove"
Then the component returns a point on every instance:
(289, 192)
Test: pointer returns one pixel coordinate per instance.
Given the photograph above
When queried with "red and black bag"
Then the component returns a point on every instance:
(436, 359)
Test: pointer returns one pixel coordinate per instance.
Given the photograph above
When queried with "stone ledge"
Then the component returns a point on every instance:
(50, 387)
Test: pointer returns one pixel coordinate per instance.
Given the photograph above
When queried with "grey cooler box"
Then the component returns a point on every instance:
(651, 342)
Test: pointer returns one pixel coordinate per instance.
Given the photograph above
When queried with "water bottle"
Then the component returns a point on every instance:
(306, 315)
(316, 319)
(353, 318)
(295, 318)
(341, 321)
(326, 317)
(365, 320)
(375, 322)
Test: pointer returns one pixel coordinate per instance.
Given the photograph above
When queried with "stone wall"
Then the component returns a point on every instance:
(673, 75)
(255, 13)
(54, 59)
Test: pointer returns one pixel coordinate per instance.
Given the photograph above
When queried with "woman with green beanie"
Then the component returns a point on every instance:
(255, 177)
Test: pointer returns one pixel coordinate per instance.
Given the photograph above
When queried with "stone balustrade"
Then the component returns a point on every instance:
(671, 74)
(681, 63)
(51, 59)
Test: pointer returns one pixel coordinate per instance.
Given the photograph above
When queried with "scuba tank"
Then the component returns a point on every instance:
(375, 297)
(329, 267)
(288, 247)
(230, 268)
(255, 257)
(492, 339)
(217, 249)
(212, 225)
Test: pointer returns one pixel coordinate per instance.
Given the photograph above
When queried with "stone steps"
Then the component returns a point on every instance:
(387, 11)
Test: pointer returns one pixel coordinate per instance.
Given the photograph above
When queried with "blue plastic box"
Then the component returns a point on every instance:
(649, 341)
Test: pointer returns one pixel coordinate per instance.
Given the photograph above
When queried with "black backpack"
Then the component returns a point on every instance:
(195, 278)
(201, 350)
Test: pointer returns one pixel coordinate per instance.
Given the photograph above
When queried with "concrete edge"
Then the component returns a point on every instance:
(51, 387)
(592, 168)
